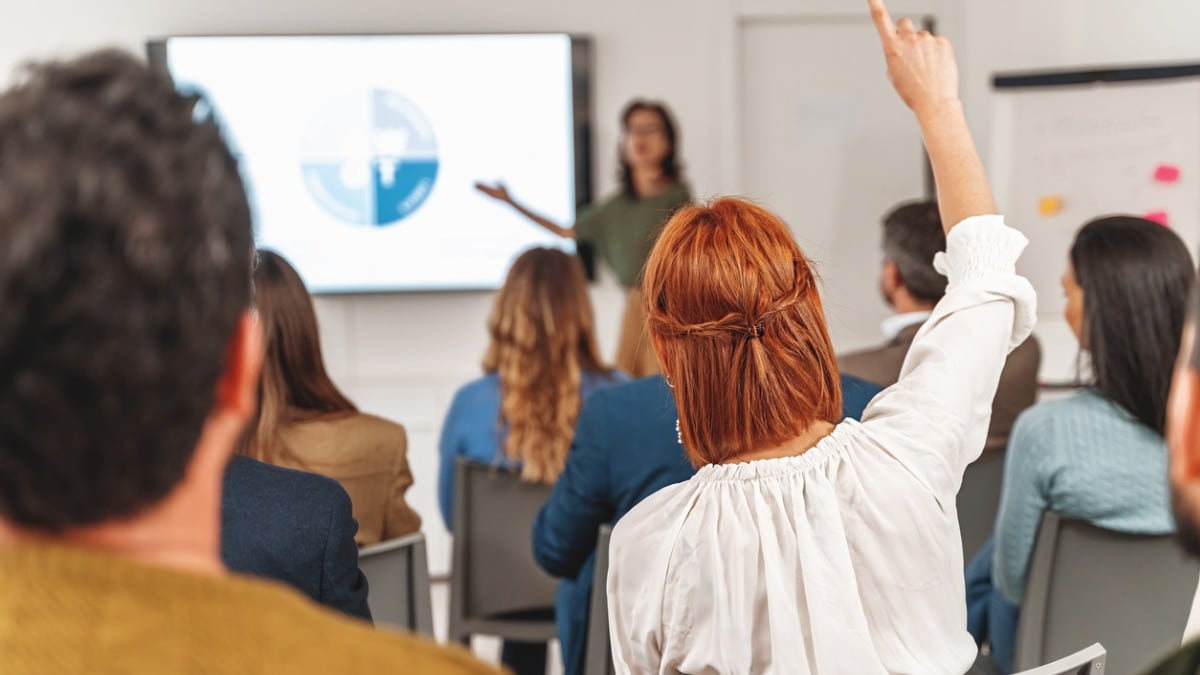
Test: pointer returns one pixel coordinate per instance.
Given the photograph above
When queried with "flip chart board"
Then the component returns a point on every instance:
(1068, 147)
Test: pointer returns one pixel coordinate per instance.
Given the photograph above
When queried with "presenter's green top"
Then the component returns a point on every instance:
(623, 229)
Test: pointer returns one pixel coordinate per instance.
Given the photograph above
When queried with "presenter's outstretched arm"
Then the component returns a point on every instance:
(922, 68)
(500, 193)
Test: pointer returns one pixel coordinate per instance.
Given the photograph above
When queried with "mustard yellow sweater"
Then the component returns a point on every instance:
(67, 610)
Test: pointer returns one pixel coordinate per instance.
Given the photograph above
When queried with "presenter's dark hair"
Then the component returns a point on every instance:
(1136, 276)
(912, 236)
(670, 165)
(124, 268)
(294, 381)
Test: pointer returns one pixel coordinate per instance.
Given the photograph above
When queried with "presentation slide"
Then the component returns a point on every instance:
(360, 154)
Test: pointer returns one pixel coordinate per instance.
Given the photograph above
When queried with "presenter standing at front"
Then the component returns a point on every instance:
(623, 228)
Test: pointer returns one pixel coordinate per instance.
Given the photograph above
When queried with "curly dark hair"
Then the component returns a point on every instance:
(125, 247)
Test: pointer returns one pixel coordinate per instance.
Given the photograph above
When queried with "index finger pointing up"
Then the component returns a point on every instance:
(883, 21)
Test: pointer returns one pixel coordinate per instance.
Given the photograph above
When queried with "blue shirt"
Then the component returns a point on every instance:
(1086, 458)
(472, 428)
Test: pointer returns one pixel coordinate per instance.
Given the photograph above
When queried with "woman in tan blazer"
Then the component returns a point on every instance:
(304, 421)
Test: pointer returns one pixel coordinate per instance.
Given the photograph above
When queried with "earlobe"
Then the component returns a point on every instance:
(237, 391)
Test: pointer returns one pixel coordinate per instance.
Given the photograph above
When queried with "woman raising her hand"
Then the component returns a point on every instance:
(623, 228)
(806, 543)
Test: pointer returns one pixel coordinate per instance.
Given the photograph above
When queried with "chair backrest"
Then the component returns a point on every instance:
(1088, 661)
(494, 573)
(979, 501)
(397, 574)
(1132, 593)
(598, 658)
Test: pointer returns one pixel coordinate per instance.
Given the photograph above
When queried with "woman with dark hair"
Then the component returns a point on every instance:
(622, 228)
(305, 422)
(540, 364)
(1099, 455)
(806, 543)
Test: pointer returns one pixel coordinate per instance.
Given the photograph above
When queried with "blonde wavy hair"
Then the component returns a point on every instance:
(542, 340)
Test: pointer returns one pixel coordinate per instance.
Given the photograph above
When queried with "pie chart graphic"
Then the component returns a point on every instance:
(369, 158)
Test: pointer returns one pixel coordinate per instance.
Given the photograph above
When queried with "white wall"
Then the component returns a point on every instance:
(1027, 34)
(402, 356)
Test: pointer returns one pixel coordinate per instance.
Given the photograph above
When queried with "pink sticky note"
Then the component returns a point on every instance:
(1166, 173)
(1160, 217)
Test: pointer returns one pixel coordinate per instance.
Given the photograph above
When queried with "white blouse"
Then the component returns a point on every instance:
(847, 558)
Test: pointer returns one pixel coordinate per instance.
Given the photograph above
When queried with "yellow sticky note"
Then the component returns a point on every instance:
(1049, 206)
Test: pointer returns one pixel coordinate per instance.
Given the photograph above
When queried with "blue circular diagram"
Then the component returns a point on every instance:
(370, 158)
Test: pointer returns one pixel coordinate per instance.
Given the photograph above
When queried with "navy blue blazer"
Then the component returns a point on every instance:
(625, 449)
(294, 527)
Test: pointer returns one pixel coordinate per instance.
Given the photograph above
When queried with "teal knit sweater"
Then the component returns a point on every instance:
(1086, 458)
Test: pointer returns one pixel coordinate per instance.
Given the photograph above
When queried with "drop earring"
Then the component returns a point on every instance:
(678, 432)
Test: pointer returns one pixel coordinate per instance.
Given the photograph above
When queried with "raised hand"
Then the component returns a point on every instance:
(497, 191)
(921, 66)
(922, 69)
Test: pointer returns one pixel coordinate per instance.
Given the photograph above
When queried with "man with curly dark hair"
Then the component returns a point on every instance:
(129, 357)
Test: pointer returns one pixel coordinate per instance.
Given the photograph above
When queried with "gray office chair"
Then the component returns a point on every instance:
(979, 501)
(598, 659)
(1089, 661)
(397, 574)
(494, 579)
(1132, 593)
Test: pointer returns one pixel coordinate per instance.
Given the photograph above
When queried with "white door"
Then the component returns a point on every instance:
(828, 146)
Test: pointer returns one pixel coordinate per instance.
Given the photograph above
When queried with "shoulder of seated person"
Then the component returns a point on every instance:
(601, 378)
(630, 394)
(263, 472)
(378, 425)
(1031, 344)
(1043, 416)
(481, 387)
(272, 489)
(646, 510)
(1080, 400)
(358, 424)
(323, 641)
(877, 365)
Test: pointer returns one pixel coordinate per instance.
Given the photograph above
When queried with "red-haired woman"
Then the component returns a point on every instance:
(805, 545)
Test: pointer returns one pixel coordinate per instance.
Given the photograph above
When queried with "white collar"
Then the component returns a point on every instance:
(896, 323)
